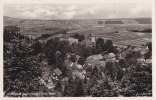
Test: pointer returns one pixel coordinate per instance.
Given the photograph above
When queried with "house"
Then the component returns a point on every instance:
(148, 61)
(88, 69)
(95, 57)
(56, 74)
(64, 82)
(50, 79)
(89, 66)
(68, 64)
(79, 74)
(76, 70)
(123, 54)
(12, 29)
(89, 43)
(57, 71)
(119, 49)
(31, 36)
(141, 60)
(110, 56)
(93, 39)
(73, 66)
(90, 40)
(63, 38)
(143, 51)
(79, 66)
(46, 74)
(136, 49)
(72, 40)
(106, 57)
(98, 64)
(69, 55)
(49, 84)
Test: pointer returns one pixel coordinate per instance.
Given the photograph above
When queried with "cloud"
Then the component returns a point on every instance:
(28, 14)
(140, 10)
(71, 11)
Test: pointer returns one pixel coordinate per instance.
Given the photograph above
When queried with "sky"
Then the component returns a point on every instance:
(78, 11)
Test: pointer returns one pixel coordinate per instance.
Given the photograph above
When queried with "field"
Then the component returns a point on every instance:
(120, 34)
(119, 30)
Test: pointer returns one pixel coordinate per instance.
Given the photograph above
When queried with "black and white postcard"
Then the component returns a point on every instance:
(90, 48)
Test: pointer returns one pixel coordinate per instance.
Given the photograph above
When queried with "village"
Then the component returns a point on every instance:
(92, 72)
(73, 64)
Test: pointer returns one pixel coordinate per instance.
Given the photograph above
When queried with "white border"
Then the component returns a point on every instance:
(2, 2)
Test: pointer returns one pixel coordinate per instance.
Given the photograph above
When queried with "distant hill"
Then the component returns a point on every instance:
(144, 20)
(37, 27)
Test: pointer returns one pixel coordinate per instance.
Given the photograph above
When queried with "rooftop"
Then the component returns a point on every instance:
(58, 71)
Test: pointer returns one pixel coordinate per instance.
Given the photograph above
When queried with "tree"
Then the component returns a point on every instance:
(81, 60)
(21, 75)
(76, 36)
(123, 63)
(54, 45)
(82, 50)
(112, 70)
(108, 46)
(138, 80)
(73, 58)
(131, 59)
(75, 88)
(149, 46)
(148, 55)
(116, 32)
(136, 54)
(79, 37)
(37, 46)
(99, 45)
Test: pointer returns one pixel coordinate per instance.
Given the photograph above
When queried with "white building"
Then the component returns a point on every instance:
(72, 40)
